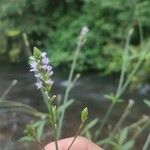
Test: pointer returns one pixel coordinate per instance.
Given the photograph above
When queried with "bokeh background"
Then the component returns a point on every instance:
(54, 27)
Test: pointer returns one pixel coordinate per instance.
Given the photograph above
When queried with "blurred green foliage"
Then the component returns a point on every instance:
(55, 24)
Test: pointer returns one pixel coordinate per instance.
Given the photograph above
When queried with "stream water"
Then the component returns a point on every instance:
(88, 91)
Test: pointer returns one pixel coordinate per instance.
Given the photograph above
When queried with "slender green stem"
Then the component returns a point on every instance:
(106, 116)
(121, 120)
(26, 42)
(121, 80)
(17, 106)
(147, 143)
(54, 126)
(38, 142)
(123, 117)
(120, 90)
(140, 32)
(124, 63)
(45, 98)
(146, 125)
(139, 23)
(75, 80)
(141, 121)
(13, 83)
(121, 87)
(136, 68)
(78, 132)
(60, 124)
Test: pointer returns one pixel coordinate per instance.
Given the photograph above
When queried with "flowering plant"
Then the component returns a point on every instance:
(43, 71)
(119, 137)
(40, 65)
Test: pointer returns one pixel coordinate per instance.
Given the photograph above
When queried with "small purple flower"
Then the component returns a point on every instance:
(33, 70)
(47, 68)
(44, 67)
(42, 70)
(39, 85)
(38, 75)
(50, 82)
(33, 65)
(51, 73)
(45, 60)
(43, 54)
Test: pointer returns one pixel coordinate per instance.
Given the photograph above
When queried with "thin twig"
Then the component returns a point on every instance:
(69, 87)
(78, 132)
(13, 83)
(124, 63)
(106, 117)
(38, 142)
(146, 125)
(123, 117)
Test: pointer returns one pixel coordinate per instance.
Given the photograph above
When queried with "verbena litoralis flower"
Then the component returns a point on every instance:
(39, 64)
(83, 33)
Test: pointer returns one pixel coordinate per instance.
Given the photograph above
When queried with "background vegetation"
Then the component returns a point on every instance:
(117, 27)
(53, 25)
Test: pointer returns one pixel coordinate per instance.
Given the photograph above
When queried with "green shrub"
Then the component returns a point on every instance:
(56, 24)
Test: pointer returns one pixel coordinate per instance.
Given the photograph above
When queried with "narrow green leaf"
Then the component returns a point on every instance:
(65, 106)
(88, 134)
(89, 126)
(26, 139)
(147, 102)
(128, 145)
(40, 129)
(123, 136)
